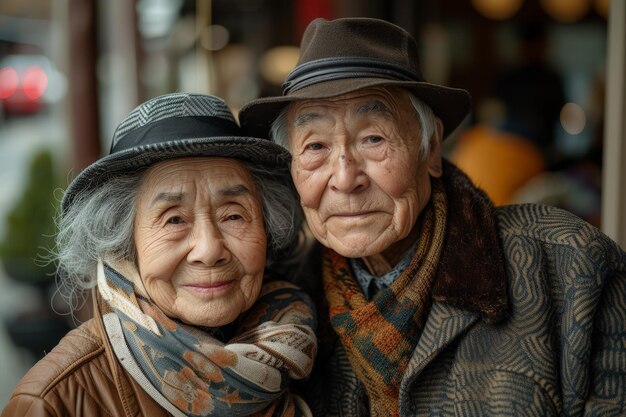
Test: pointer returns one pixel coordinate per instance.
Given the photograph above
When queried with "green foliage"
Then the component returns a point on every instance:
(30, 227)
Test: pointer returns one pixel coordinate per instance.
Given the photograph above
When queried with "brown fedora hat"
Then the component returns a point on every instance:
(343, 55)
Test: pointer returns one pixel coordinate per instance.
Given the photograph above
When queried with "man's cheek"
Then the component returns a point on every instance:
(315, 223)
(309, 188)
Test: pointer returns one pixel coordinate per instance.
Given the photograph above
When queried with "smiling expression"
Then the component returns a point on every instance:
(200, 239)
(358, 169)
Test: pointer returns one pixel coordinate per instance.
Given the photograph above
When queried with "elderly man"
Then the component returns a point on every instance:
(437, 303)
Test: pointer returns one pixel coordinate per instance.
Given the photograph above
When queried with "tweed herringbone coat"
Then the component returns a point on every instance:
(556, 348)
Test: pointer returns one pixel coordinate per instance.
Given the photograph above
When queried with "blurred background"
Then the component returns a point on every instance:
(70, 70)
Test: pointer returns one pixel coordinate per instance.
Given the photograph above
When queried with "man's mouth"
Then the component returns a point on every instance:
(352, 214)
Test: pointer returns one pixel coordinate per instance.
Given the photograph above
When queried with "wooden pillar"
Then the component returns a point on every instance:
(120, 42)
(614, 169)
(205, 78)
(82, 82)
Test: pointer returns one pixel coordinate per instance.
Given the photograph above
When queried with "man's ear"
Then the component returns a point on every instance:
(435, 168)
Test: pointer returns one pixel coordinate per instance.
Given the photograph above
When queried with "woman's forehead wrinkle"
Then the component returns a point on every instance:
(234, 191)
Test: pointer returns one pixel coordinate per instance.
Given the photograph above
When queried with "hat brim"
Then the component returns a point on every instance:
(248, 149)
(451, 105)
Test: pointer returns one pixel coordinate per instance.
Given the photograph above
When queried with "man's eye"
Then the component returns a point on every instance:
(374, 139)
(175, 220)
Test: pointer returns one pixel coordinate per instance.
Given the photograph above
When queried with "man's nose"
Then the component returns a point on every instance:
(347, 173)
(207, 245)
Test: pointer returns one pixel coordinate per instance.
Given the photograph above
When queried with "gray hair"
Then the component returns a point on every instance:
(100, 224)
(279, 131)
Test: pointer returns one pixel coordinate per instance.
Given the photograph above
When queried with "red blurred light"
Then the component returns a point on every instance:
(9, 81)
(34, 83)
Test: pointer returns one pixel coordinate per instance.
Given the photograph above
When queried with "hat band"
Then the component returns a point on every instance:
(327, 69)
(177, 129)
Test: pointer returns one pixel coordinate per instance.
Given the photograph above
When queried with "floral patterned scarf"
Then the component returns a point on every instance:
(189, 372)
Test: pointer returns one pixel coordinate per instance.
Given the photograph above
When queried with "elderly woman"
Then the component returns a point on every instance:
(176, 230)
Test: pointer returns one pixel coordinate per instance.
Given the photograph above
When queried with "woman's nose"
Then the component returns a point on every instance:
(347, 174)
(207, 245)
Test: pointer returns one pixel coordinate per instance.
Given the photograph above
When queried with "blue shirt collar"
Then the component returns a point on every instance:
(369, 283)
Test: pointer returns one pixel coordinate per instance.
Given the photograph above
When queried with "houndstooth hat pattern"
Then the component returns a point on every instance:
(176, 126)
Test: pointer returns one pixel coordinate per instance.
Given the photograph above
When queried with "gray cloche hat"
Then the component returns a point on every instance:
(176, 126)
(344, 55)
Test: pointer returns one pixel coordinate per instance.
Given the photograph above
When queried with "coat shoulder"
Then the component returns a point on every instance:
(80, 377)
(76, 350)
(74, 377)
(546, 236)
(546, 224)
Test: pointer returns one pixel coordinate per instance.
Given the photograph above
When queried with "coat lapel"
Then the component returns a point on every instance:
(444, 324)
(471, 273)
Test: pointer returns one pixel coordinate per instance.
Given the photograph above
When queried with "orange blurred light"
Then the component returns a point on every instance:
(497, 9)
(34, 83)
(566, 11)
(8, 82)
(277, 62)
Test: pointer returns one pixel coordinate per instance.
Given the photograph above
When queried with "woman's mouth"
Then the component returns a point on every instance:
(210, 288)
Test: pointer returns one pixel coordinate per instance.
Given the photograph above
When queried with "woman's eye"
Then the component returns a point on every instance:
(314, 147)
(234, 217)
(175, 220)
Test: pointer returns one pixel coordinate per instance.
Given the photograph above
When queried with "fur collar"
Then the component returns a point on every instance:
(472, 274)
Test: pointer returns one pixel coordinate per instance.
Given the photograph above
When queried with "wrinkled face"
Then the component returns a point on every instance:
(358, 169)
(200, 239)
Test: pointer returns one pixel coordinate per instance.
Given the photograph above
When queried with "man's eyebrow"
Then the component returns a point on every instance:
(305, 118)
(234, 191)
(374, 107)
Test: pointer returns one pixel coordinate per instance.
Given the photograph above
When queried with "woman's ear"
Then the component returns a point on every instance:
(435, 167)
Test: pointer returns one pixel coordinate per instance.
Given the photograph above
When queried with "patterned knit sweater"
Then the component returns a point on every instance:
(545, 339)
